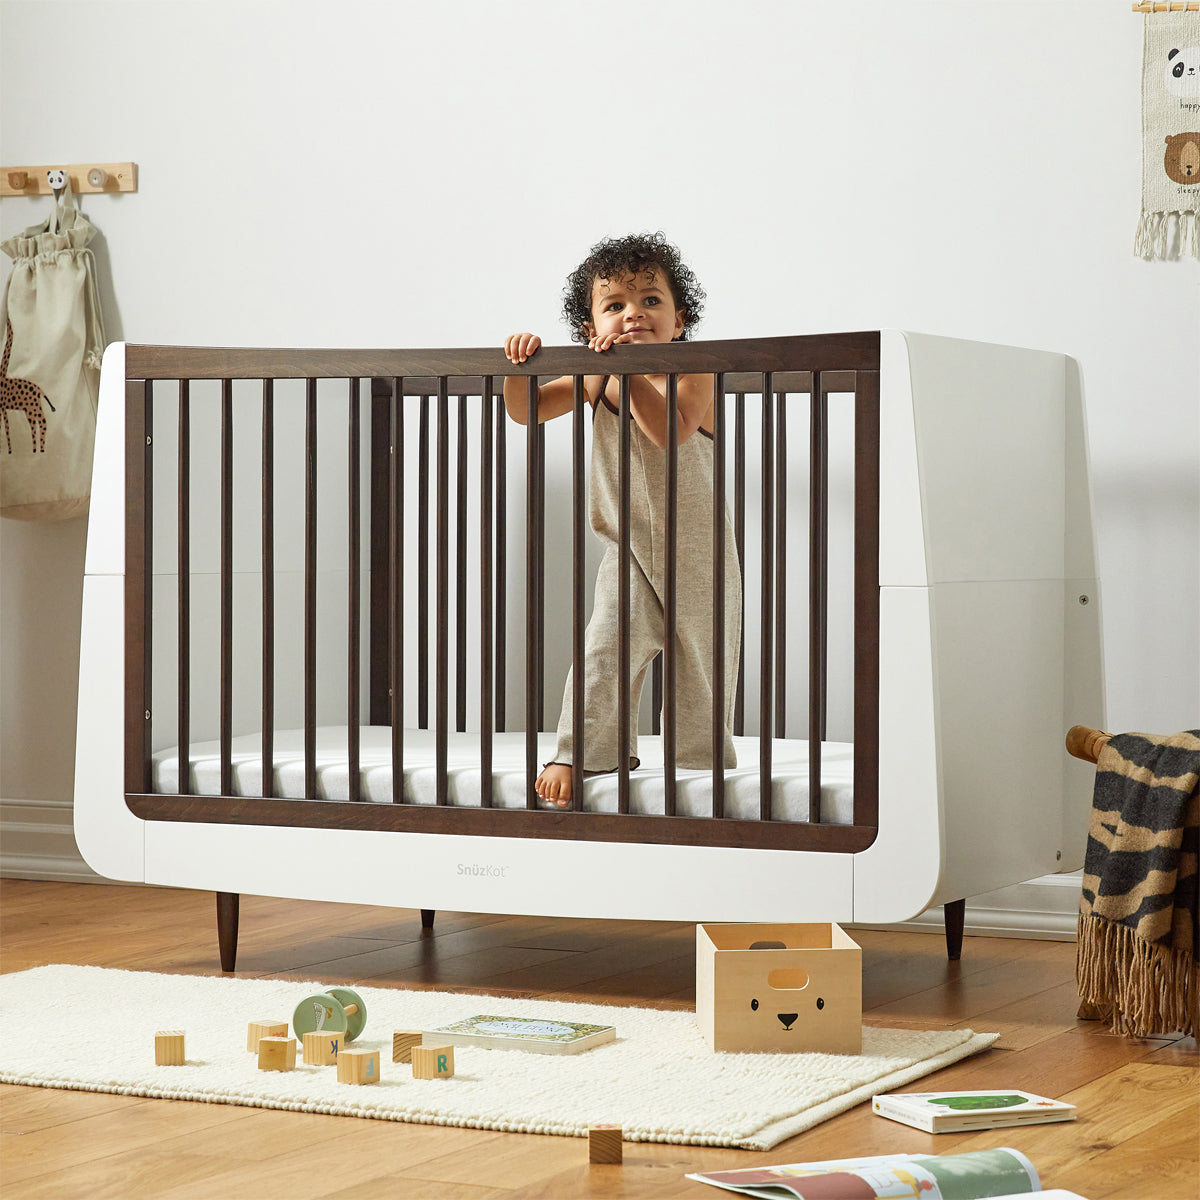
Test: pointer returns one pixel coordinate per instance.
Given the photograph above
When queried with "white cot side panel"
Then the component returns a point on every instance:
(110, 838)
(510, 875)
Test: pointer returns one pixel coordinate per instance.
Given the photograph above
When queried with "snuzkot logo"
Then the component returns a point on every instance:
(486, 870)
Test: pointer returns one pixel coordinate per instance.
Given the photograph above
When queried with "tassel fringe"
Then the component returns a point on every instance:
(1167, 235)
(1149, 989)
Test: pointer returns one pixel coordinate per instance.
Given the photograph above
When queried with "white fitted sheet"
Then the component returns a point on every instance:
(647, 786)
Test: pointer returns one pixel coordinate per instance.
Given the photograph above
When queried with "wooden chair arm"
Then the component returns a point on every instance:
(1086, 743)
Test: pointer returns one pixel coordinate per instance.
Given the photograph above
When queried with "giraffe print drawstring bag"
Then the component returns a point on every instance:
(53, 342)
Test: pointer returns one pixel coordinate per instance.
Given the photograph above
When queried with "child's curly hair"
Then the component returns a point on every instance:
(631, 255)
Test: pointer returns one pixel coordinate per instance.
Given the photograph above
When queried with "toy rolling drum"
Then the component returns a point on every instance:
(339, 1010)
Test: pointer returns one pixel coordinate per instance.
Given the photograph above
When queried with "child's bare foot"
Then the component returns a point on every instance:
(554, 784)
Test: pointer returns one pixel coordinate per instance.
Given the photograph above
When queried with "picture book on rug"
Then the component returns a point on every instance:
(944, 1112)
(521, 1033)
(999, 1172)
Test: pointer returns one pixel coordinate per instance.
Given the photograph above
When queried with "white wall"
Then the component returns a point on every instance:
(426, 174)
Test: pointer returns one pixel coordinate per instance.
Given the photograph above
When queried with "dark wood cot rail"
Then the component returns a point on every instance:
(778, 370)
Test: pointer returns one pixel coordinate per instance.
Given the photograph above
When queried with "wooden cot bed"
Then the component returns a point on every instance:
(330, 598)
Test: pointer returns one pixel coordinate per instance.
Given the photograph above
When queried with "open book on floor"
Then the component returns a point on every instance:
(945, 1112)
(1000, 1173)
(520, 1033)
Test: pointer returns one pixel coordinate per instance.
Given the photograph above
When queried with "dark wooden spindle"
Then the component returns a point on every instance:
(423, 566)
(624, 577)
(718, 597)
(540, 569)
(139, 581)
(578, 600)
(268, 588)
(310, 591)
(184, 574)
(226, 703)
(766, 622)
(460, 576)
(781, 471)
(354, 632)
(486, 533)
(396, 586)
(501, 568)
(818, 586)
(739, 537)
(670, 595)
(532, 549)
(866, 598)
(442, 695)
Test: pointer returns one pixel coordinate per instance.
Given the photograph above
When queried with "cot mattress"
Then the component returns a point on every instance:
(789, 799)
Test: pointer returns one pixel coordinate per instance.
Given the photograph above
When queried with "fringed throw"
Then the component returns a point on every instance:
(1137, 955)
(1170, 137)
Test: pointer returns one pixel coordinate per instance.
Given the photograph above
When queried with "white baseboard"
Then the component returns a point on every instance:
(1043, 909)
(37, 841)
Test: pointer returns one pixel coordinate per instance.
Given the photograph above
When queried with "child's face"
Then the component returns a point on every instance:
(637, 308)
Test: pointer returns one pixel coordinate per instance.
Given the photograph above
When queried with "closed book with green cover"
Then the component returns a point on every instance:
(520, 1033)
(944, 1112)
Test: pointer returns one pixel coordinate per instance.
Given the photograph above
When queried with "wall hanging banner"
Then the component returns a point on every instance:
(49, 380)
(1170, 137)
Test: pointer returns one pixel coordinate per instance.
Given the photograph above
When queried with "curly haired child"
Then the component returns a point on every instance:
(636, 291)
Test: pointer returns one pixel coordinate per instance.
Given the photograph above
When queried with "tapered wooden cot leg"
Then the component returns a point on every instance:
(427, 915)
(955, 914)
(228, 908)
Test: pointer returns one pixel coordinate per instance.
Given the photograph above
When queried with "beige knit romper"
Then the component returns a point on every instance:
(694, 609)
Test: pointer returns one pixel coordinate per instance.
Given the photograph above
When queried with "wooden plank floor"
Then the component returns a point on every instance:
(1137, 1135)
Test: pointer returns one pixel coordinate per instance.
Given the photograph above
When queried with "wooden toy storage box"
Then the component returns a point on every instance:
(809, 993)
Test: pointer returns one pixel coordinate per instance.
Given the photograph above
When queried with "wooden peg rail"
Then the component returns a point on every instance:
(1157, 6)
(85, 178)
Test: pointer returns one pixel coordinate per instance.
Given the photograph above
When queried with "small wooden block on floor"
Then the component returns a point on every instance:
(358, 1066)
(322, 1047)
(403, 1041)
(261, 1029)
(168, 1048)
(432, 1062)
(604, 1144)
(276, 1054)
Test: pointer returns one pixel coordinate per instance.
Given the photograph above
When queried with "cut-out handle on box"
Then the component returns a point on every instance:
(788, 979)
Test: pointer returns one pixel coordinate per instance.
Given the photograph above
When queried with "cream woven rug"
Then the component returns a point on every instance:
(94, 1031)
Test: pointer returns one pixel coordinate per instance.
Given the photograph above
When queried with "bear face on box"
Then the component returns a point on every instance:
(779, 988)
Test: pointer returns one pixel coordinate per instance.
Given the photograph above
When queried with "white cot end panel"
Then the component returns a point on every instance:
(999, 662)
(504, 875)
(898, 874)
(991, 452)
(110, 838)
(106, 520)
(1083, 704)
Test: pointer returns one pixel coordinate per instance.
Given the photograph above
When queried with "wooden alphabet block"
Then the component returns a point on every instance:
(604, 1144)
(261, 1029)
(168, 1048)
(276, 1054)
(403, 1041)
(432, 1062)
(322, 1047)
(358, 1066)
